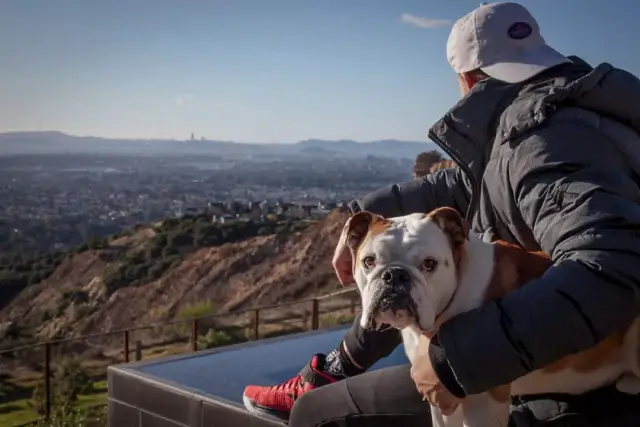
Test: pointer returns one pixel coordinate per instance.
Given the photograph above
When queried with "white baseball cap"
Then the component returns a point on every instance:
(503, 40)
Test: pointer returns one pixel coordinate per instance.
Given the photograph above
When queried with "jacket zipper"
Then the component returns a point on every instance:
(432, 136)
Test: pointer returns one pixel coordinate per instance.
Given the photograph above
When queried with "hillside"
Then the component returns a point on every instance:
(148, 274)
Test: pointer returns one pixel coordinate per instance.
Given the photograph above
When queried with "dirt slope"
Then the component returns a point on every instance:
(260, 270)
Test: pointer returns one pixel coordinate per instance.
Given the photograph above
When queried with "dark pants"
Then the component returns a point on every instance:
(388, 397)
(379, 398)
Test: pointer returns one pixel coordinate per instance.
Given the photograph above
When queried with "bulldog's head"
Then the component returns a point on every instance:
(406, 268)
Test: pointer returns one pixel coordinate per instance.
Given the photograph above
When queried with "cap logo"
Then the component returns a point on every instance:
(519, 30)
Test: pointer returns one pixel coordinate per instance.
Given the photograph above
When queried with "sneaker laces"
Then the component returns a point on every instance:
(290, 385)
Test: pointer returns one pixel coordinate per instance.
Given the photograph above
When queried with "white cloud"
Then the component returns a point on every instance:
(183, 99)
(423, 22)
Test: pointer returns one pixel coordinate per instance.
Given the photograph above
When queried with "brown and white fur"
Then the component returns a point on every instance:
(450, 271)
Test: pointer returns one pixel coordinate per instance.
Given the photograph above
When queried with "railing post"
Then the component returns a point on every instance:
(194, 335)
(138, 351)
(47, 381)
(353, 306)
(315, 314)
(256, 324)
(126, 346)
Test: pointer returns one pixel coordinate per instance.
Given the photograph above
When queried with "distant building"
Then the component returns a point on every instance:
(223, 219)
(190, 211)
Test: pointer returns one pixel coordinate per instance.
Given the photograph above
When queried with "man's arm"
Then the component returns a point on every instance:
(574, 191)
(446, 187)
(360, 348)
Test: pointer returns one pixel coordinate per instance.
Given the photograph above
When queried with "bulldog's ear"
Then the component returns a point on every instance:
(453, 225)
(357, 227)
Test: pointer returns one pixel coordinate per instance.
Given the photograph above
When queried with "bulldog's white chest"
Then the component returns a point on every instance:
(410, 341)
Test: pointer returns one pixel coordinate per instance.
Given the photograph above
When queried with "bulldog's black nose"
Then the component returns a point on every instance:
(396, 276)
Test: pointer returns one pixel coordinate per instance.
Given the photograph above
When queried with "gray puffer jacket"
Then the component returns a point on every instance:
(561, 174)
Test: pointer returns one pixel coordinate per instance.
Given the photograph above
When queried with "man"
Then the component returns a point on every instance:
(548, 155)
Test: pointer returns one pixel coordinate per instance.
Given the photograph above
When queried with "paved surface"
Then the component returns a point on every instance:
(225, 374)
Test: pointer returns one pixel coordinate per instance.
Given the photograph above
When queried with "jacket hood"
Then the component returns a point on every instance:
(609, 91)
(468, 130)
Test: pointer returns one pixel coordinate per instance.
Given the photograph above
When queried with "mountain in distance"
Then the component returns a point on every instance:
(54, 142)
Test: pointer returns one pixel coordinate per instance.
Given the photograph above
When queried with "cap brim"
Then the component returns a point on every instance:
(526, 65)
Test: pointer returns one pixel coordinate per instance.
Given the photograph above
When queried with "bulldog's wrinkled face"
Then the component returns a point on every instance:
(406, 268)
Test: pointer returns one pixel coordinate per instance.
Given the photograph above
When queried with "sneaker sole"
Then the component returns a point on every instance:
(256, 409)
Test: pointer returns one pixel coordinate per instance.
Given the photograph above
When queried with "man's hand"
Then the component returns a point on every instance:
(342, 263)
(427, 381)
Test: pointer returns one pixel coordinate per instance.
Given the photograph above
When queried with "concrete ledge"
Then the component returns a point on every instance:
(205, 388)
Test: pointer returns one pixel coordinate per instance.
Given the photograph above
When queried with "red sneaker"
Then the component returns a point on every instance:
(278, 400)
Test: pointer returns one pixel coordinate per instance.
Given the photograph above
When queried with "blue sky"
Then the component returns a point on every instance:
(259, 70)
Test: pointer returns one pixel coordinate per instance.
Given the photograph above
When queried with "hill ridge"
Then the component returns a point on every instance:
(56, 142)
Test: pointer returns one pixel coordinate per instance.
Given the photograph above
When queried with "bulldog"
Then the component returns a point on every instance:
(417, 271)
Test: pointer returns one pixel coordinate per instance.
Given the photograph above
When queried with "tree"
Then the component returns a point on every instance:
(169, 251)
(97, 242)
(70, 380)
(156, 270)
(178, 239)
(153, 252)
(424, 161)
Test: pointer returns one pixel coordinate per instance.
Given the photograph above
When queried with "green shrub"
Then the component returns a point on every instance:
(170, 223)
(82, 311)
(82, 248)
(36, 277)
(135, 272)
(215, 338)
(77, 417)
(156, 270)
(197, 309)
(68, 382)
(77, 296)
(154, 252)
(133, 257)
(179, 239)
(160, 239)
(168, 251)
(17, 271)
(113, 279)
(97, 242)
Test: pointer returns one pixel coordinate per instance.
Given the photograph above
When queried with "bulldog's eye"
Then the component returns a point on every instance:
(368, 262)
(429, 264)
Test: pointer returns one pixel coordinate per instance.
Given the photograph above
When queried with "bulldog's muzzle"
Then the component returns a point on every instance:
(396, 277)
(395, 292)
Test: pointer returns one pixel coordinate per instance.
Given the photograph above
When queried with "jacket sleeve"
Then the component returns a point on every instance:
(446, 187)
(576, 194)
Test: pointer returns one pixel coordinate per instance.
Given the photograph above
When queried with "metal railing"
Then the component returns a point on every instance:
(255, 323)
